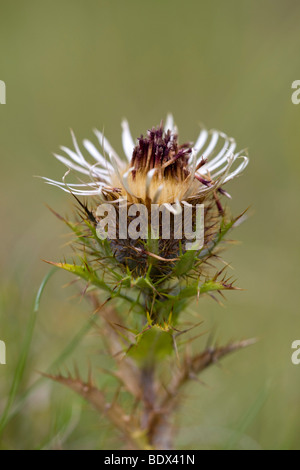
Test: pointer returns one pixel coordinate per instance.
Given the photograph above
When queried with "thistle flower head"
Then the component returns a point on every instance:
(158, 169)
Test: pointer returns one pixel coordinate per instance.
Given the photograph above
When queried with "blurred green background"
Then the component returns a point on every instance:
(85, 64)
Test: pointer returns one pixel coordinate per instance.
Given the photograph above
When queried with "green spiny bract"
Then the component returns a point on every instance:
(150, 284)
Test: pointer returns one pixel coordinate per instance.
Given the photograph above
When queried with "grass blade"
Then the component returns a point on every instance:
(19, 372)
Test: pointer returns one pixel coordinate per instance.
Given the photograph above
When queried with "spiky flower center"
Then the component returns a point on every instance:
(159, 154)
(161, 151)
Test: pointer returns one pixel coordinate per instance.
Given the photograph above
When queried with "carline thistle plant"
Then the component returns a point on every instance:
(142, 277)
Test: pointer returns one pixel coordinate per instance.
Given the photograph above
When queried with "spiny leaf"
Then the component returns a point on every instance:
(185, 264)
(194, 365)
(96, 398)
(196, 289)
(89, 392)
(83, 272)
(214, 354)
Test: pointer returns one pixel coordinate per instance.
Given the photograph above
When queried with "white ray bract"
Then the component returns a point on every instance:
(214, 146)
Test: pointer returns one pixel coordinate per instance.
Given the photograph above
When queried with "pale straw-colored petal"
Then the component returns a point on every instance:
(94, 152)
(211, 145)
(90, 170)
(174, 210)
(68, 163)
(149, 178)
(201, 141)
(74, 189)
(157, 194)
(220, 171)
(227, 149)
(125, 181)
(77, 149)
(127, 141)
(108, 149)
(169, 125)
(239, 169)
